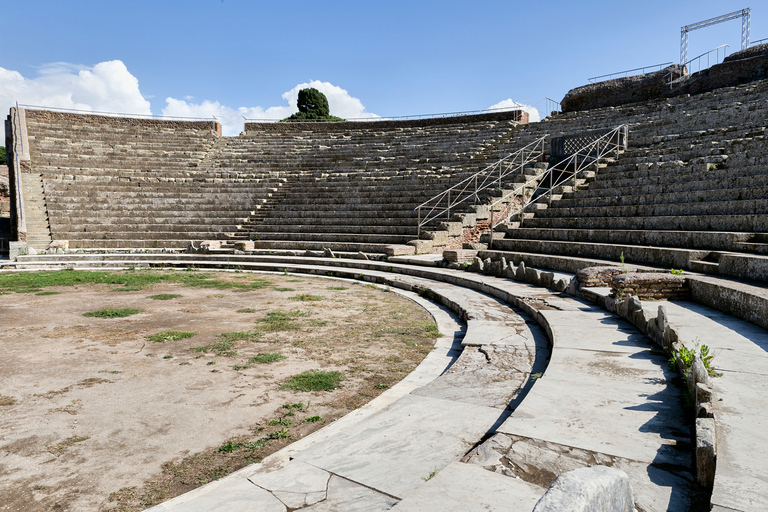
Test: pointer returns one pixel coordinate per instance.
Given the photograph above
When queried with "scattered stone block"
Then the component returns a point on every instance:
(361, 255)
(422, 246)
(59, 244)
(532, 276)
(705, 451)
(459, 255)
(453, 228)
(399, 250)
(437, 237)
(328, 253)
(588, 490)
(476, 246)
(244, 246)
(651, 285)
(520, 274)
(209, 245)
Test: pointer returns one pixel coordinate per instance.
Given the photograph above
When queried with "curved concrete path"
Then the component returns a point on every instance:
(605, 398)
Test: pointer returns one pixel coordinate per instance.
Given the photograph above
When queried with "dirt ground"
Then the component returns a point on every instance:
(95, 416)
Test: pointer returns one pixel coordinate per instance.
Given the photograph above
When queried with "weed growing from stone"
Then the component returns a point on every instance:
(163, 336)
(677, 272)
(314, 380)
(113, 313)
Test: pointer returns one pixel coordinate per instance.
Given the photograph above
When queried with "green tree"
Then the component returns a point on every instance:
(313, 106)
(2, 156)
(312, 101)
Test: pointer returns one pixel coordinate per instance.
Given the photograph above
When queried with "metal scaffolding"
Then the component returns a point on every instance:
(744, 14)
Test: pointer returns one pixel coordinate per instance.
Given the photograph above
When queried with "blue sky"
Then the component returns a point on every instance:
(237, 57)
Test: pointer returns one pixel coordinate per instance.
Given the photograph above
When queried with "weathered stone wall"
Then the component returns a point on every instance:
(620, 91)
(119, 122)
(515, 115)
(5, 192)
(739, 68)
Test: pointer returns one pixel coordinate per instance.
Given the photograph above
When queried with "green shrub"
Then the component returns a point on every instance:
(163, 336)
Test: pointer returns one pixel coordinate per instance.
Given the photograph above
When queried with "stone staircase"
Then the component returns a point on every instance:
(691, 185)
(36, 212)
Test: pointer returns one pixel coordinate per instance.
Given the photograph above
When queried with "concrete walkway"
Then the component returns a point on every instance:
(741, 405)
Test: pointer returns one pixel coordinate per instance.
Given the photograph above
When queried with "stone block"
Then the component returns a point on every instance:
(589, 490)
(16, 249)
(476, 246)
(532, 276)
(59, 244)
(399, 250)
(459, 255)
(361, 255)
(209, 245)
(244, 246)
(328, 253)
(706, 450)
(422, 246)
(437, 237)
(520, 274)
(453, 228)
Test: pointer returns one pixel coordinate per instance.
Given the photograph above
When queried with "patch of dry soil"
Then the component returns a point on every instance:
(98, 417)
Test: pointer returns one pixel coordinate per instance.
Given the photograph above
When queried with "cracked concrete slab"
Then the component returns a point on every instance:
(376, 452)
(463, 487)
(230, 495)
(347, 496)
(296, 485)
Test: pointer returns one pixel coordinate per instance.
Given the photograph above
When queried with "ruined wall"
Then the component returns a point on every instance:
(739, 68)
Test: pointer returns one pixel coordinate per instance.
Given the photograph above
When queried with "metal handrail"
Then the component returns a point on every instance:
(626, 73)
(396, 118)
(753, 43)
(586, 156)
(116, 114)
(470, 187)
(707, 54)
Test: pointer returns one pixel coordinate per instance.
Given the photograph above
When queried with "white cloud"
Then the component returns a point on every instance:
(339, 100)
(508, 104)
(107, 87)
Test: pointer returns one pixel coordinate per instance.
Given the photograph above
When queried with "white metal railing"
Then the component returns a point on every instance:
(559, 173)
(117, 114)
(716, 51)
(470, 188)
(759, 41)
(626, 73)
(399, 118)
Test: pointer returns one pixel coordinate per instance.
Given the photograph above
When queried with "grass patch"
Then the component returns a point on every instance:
(7, 400)
(426, 329)
(314, 380)
(337, 288)
(221, 348)
(125, 290)
(276, 321)
(59, 448)
(113, 313)
(260, 358)
(282, 421)
(48, 293)
(313, 419)
(136, 280)
(307, 297)
(246, 310)
(283, 289)
(165, 296)
(240, 336)
(163, 336)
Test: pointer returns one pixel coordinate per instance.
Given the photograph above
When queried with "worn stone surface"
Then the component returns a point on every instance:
(589, 490)
(466, 487)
